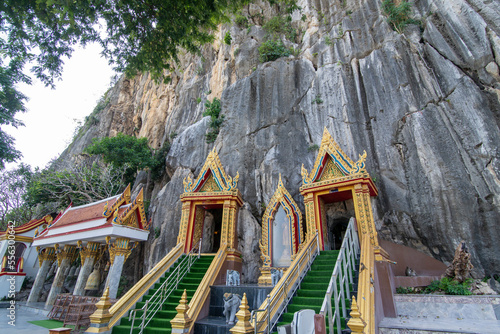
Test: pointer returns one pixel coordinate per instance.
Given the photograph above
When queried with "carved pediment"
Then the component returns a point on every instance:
(331, 162)
(212, 177)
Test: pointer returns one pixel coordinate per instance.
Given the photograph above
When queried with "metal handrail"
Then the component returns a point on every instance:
(341, 277)
(164, 291)
(283, 292)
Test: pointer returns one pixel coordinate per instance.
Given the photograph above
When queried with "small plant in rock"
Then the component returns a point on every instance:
(398, 15)
(273, 49)
(450, 287)
(241, 21)
(228, 38)
(313, 147)
(213, 110)
(317, 99)
(157, 232)
(328, 40)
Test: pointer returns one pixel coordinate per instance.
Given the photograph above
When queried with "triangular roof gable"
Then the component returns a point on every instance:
(122, 200)
(32, 224)
(134, 215)
(213, 172)
(331, 156)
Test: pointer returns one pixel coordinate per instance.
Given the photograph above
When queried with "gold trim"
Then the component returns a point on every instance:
(20, 238)
(119, 247)
(243, 326)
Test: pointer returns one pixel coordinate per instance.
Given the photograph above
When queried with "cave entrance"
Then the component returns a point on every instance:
(336, 210)
(212, 229)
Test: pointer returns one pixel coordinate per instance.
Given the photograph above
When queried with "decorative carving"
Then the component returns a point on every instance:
(198, 225)
(119, 247)
(47, 254)
(68, 252)
(330, 171)
(181, 320)
(276, 275)
(106, 213)
(210, 185)
(90, 250)
(130, 217)
(188, 184)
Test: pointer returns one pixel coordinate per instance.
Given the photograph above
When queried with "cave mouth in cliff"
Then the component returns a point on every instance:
(337, 211)
(212, 228)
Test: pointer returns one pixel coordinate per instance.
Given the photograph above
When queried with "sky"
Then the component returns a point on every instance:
(53, 113)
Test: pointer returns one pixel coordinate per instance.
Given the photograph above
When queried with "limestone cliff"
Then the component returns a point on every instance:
(424, 104)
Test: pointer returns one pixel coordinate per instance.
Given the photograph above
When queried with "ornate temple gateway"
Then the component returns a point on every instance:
(206, 258)
(115, 223)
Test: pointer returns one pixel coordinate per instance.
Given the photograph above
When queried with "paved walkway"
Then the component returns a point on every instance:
(21, 325)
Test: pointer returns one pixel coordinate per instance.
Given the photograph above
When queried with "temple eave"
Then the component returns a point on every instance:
(94, 235)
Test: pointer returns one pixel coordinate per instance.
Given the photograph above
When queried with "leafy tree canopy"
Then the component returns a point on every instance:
(138, 36)
(130, 152)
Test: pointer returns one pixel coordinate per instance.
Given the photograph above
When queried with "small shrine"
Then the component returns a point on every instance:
(210, 207)
(282, 235)
(334, 178)
(19, 260)
(116, 224)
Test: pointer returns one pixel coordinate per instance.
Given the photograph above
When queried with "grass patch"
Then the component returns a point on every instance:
(49, 323)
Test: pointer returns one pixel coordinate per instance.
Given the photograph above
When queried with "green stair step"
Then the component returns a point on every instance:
(160, 324)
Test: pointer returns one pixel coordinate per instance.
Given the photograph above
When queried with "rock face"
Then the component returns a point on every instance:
(424, 104)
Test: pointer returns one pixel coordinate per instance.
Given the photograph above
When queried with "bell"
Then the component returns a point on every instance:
(94, 280)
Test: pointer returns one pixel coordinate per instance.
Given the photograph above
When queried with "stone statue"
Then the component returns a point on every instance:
(233, 278)
(276, 276)
(232, 303)
(410, 272)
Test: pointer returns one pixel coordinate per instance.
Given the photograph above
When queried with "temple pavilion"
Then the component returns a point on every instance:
(115, 222)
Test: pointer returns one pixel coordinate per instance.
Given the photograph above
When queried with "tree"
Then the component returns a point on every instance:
(83, 183)
(13, 185)
(139, 36)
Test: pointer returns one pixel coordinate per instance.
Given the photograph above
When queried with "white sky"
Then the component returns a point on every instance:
(50, 119)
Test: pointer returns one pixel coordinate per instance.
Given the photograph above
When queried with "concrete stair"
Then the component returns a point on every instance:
(444, 314)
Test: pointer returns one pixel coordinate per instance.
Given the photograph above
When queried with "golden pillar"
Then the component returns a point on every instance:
(310, 217)
(186, 208)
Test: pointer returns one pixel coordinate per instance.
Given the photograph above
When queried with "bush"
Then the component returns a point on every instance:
(281, 25)
(213, 110)
(241, 21)
(228, 38)
(398, 16)
(450, 287)
(272, 50)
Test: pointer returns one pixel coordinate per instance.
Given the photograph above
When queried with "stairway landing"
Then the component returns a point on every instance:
(444, 314)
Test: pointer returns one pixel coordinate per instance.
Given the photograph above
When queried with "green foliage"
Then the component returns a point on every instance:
(317, 99)
(140, 36)
(228, 38)
(313, 148)
(159, 160)
(279, 25)
(157, 232)
(273, 49)
(213, 110)
(403, 290)
(198, 100)
(12, 192)
(398, 16)
(450, 287)
(328, 40)
(241, 21)
(122, 286)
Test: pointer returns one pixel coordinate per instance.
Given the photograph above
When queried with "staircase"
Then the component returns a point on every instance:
(313, 288)
(160, 324)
